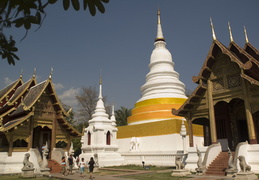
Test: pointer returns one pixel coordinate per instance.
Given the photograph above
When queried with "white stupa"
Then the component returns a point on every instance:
(99, 140)
(153, 132)
(163, 90)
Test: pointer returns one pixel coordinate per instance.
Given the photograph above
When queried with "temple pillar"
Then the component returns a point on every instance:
(68, 144)
(190, 131)
(53, 135)
(30, 138)
(10, 150)
(213, 131)
(249, 117)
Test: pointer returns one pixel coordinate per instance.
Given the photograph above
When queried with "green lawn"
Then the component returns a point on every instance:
(135, 167)
(18, 177)
(156, 176)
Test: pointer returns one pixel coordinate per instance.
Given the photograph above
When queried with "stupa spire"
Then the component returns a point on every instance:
(246, 35)
(100, 87)
(100, 112)
(113, 119)
(159, 36)
(212, 29)
(230, 33)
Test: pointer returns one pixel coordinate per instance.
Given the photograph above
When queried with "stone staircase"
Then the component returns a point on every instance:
(219, 165)
(54, 166)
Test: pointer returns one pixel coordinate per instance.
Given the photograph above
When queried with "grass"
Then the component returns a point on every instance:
(135, 167)
(151, 172)
(156, 176)
(18, 177)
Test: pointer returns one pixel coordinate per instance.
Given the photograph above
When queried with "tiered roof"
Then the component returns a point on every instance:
(246, 58)
(20, 106)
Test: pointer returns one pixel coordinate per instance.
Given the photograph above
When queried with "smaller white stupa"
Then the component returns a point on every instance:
(99, 139)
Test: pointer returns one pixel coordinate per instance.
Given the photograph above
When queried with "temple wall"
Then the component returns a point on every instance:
(11, 164)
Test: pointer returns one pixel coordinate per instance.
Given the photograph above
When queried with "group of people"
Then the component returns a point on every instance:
(81, 164)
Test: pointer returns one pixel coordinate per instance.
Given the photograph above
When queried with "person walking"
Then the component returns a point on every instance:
(70, 164)
(82, 167)
(63, 165)
(91, 164)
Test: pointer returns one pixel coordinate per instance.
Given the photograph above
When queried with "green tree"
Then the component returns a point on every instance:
(121, 116)
(87, 100)
(77, 146)
(25, 13)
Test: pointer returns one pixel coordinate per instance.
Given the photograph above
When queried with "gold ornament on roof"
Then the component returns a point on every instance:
(212, 29)
(246, 35)
(230, 33)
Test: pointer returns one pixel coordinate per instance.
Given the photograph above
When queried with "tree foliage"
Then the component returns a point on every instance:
(121, 116)
(25, 13)
(87, 100)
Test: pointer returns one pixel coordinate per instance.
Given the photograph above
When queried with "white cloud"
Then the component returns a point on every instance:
(58, 86)
(7, 81)
(68, 97)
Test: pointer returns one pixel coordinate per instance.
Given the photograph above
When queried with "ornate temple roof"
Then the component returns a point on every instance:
(8, 91)
(21, 105)
(247, 59)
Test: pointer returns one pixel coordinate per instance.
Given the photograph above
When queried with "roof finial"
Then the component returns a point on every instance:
(246, 35)
(21, 73)
(51, 72)
(212, 29)
(34, 72)
(158, 16)
(100, 89)
(230, 33)
(159, 36)
(100, 76)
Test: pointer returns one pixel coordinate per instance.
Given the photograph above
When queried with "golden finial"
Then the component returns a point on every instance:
(212, 29)
(21, 73)
(246, 35)
(34, 72)
(51, 72)
(230, 33)
(101, 77)
(158, 16)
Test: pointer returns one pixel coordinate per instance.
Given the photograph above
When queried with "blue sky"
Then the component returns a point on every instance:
(119, 44)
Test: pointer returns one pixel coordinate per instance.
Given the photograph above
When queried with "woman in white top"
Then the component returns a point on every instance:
(82, 166)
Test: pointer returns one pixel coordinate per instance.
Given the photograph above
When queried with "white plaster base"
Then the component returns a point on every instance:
(180, 172)
(245, 176)
(28, 173)
(105, 159)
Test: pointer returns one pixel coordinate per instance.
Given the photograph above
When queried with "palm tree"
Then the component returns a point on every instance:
(121, 116)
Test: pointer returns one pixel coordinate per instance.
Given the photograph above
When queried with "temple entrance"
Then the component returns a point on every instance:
(224, 132)
(206, 129)
(41, 136)
(231, 123)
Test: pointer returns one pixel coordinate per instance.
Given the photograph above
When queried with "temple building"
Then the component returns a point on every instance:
(152, 128)
(226, 100)
(32, 116)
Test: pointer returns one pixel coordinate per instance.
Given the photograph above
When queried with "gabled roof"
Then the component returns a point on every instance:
(250, 64)
(250, 49)
(15, 122)
(5, 91)
(246, 59)
(21, 90)
(32, 93)
(246, 62)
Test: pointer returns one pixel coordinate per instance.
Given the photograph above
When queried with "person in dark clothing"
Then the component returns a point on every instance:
(91, 164)
(70, 163)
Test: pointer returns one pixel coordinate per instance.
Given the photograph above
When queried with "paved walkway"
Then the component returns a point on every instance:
(131, 172)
